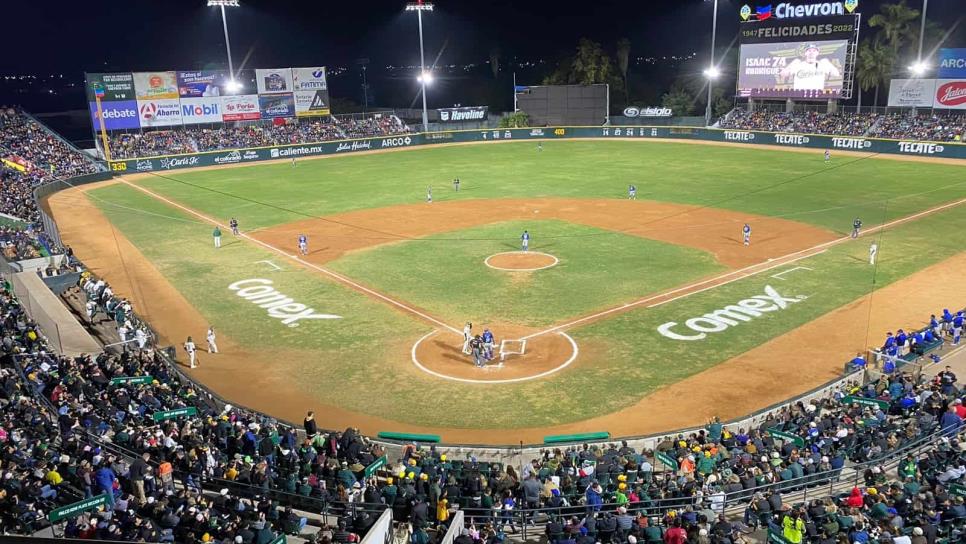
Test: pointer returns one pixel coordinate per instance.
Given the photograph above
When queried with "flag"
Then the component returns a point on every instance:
(764, 12)
(521, 89)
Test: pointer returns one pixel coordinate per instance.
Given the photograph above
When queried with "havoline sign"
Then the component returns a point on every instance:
(454, 115)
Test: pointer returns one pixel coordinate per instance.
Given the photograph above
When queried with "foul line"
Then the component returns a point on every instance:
(783, 272)
(743, 272)
(325, 271)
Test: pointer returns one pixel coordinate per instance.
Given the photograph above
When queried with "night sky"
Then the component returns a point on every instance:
(74, 36)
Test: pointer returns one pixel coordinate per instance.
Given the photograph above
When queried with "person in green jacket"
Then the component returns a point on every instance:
(216, 234)
(793, 527)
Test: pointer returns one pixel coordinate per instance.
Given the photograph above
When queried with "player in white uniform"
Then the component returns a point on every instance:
(525, 241)
(429, 193)
(828, 155)
(189, 348)
(303, 244)
(210, 337)
(873, 249)
(810, 73)
(746, 234)
(467, 336)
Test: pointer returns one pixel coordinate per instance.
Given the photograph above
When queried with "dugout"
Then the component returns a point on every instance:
(564, 105)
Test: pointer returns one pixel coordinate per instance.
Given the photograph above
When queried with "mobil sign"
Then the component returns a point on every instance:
(120, 114)
(201, 110)
(950, 94)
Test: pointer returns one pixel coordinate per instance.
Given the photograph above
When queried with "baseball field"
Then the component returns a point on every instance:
(627, 316)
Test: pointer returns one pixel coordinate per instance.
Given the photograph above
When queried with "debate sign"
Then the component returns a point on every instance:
(155, 85)
(201, 84)
(118, 86)
(240, 108)
(118, 115)
(274, 80)
(201, 110)
(311, 103)
(159, 113)
(309, 79)
(274, 106)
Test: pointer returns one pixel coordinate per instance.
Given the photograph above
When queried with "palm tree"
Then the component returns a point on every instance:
(623, 62)
(875, 66)
(897, 23)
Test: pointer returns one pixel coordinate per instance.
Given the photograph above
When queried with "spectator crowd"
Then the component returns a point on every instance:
(295, 131)
(936, 127)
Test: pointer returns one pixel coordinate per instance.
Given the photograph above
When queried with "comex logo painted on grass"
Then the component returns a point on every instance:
(731, 315)
(260, 293)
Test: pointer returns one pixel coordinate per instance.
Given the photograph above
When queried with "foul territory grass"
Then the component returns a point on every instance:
(446, 274)
(799, 186)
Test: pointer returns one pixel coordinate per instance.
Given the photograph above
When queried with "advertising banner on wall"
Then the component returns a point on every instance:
(950, 94)
(274, 80)
(911, 92)
(162, 112)
(201, 110)
(309, 79)
(311, 103)
(455, 115)
(201, 83)
(274, 106)
(155, 85)
(121, 114)
(116, 86)
(952, 64)
(240, 108)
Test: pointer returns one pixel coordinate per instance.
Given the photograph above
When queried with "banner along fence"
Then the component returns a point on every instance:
(783, 139)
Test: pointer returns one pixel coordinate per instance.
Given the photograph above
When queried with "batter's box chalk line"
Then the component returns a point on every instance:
(512, 347)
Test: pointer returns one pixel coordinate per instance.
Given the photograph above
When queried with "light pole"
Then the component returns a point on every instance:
(222, 4)
(919, 68)
(712, 72)
(425, 78)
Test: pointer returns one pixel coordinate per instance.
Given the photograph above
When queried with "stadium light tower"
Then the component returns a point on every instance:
(425, 77)
(222, 4)
(712, 72)
(919, 68)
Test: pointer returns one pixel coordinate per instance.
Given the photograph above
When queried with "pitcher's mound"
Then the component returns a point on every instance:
(521, 261)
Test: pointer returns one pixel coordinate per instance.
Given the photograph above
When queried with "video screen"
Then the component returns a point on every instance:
(812, 69)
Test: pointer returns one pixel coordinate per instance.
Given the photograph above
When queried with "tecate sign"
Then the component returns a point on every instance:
(732, 315)
(920, 148)
(396, 142)
(738, 136)
(634, 111)
(851, 143)
(278, 306)
(791, 139)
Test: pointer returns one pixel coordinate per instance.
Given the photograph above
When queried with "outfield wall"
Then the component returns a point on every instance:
(784, 139)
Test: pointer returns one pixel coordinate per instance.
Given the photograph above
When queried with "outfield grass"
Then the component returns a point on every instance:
(445, 274)
(798, 186)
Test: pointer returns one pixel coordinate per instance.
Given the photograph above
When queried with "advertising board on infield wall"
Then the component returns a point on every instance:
(813, 141)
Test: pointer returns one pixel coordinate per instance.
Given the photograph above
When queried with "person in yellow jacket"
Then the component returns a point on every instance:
(442, 511)
(793, 527)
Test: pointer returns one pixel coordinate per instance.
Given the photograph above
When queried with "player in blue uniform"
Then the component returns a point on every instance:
(487, 344)
(525, 241)
(856, 226)
(746, 234)
(303, 244)
(632, 192)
